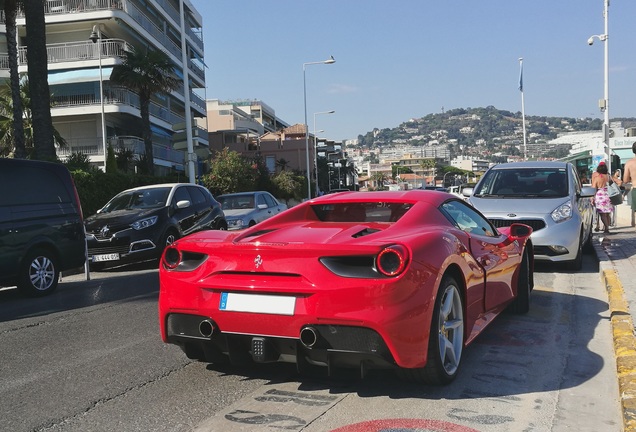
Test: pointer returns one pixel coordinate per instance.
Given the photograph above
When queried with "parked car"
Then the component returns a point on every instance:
(549, 197)
(399, 280)
(41, 227)
(138, 223)
(245, 209)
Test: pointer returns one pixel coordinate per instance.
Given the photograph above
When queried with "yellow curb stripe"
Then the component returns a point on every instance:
(624, 348)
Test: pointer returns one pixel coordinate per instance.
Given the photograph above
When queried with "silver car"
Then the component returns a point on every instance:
(549, 197)
(244, 209)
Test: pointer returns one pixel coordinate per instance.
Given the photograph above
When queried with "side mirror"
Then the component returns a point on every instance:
(183, 204)
(467, 192)
(262, 206)
(587, 191)
(518, 230)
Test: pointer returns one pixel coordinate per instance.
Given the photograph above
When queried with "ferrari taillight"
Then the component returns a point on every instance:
(392, 260)
(171, 257)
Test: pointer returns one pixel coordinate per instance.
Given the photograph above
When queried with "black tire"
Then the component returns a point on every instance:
(39, 273)
(588, 247)
(577, 263)
(447, 328)
(521, 304)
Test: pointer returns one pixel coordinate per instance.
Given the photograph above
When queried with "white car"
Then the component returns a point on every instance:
(245, 209)
(546, 195)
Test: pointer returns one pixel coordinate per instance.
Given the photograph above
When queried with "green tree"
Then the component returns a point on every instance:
(7, 130)
(282, 163)
(10, 13)
(78, 161)
(229, 173)
(146, 73)
(396, 170)
(379, 178)
(289, 186)
(37, 63)
(111, 160)
(125, 159)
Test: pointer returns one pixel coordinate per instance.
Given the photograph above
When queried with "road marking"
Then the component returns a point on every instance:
(282, 406)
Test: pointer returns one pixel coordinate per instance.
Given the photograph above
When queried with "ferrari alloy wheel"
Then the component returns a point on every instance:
(450, 330)
(446, 341)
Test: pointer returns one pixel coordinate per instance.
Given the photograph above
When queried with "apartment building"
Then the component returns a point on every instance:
(86, 39)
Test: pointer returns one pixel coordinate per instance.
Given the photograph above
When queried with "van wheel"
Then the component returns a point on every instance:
(169, 237)
(39, 274)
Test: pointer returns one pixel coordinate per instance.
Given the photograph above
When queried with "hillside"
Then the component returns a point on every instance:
(483, 131)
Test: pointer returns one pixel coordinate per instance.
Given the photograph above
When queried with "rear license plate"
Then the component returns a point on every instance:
(258, 303)
(106, 257)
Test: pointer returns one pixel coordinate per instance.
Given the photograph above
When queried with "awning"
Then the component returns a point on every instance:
(160, 131)
(624, 154)
(78, 75)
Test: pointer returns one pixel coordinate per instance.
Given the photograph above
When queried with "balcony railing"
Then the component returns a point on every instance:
(80, 51)
(131, 143)
(114, 96)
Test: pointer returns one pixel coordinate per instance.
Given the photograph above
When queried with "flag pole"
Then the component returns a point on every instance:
(523, 109)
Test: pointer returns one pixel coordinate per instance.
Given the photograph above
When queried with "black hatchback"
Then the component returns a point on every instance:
(137, 224)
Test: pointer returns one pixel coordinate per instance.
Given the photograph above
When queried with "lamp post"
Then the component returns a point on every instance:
(604, 104)
(96, 36)
(316, 145)
(330, 60)
(444, 178)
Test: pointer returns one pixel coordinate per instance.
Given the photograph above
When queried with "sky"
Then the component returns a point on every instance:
(403, 59)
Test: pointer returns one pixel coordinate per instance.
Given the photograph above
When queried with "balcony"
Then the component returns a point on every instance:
(94, 149)
(79, 51)
(114, 96)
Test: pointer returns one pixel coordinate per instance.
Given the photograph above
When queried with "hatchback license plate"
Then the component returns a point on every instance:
(106, 257)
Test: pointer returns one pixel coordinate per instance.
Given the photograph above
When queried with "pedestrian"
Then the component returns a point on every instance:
(629, 174)
(616, 178)
(602, 201)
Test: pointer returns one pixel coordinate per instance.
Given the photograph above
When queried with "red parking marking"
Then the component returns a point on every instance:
(405, 425)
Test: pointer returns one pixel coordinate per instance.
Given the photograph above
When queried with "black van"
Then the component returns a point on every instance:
(41, 226)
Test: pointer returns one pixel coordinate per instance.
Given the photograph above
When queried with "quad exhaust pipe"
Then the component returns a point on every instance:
(206, 328)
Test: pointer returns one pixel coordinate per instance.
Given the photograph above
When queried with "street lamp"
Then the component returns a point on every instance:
(604, 104)
(444, 178)
(316, 145)
(330, 60)
(96, 35)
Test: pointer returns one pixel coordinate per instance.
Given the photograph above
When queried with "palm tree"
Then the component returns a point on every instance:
(37, 63)
(10, 13)
(7, 130)
(146, 73)
(380, 178)
(282, 163)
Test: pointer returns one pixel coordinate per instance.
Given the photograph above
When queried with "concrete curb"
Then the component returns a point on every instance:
(624, 347)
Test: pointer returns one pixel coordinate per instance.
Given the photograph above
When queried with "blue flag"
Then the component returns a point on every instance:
(521, 78)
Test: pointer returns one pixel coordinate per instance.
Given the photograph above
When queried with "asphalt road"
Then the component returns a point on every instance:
(89, 358)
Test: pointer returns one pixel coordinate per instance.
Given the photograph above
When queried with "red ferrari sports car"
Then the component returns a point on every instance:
(400, 280)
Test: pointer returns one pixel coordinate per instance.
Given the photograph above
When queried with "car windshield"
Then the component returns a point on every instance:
(146, 198)
(361, 212)
(523, 183)
(236, 202)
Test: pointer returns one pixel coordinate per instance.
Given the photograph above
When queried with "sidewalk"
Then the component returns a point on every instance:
(617, 264)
